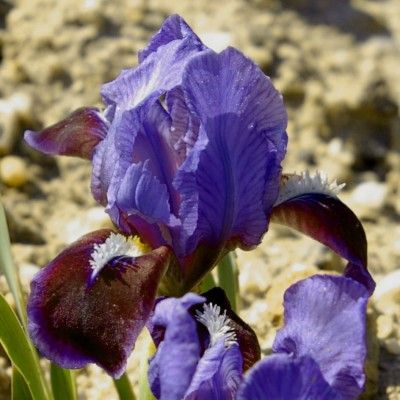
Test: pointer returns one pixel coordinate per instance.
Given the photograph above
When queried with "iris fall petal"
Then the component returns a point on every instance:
(74, 320)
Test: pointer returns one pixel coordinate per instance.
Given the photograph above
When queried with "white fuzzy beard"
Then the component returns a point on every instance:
(296, 185)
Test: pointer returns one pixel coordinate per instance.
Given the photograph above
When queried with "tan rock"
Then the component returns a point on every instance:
(13, 171)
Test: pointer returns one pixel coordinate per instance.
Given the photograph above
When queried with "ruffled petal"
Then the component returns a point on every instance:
(173, 366)
(173, 28)
(325, 319)
(159, 72)
(77, 135)
(280, 377)
(326, 219)
(218, 374)
(74, 320)
(236, 159)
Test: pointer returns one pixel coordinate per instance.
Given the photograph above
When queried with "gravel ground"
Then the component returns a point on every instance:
(336, 64)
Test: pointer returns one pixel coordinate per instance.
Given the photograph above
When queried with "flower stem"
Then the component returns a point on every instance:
(144, 388)
(228, 279)
(124, 388)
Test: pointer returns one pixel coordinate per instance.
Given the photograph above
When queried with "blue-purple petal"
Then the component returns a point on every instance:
(234, 166)
(173, 366)
(325, 319)
(282, 377)
(218, 374)
(173, 28)
(74, 320)
(161, 71)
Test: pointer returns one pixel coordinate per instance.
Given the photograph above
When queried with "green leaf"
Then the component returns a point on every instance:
(8, 268)
(62, 383)
(228, 279)
(19, 388)
(20, 351)
(124, 388)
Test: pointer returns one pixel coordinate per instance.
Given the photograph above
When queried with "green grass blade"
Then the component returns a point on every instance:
(20, 351)
(19, 388)
(7, 266)
(62, 383)
(228, 279)
(124, 388)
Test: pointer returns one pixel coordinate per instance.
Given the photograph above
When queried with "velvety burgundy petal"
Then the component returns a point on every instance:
(326, 219)
(218, 374)
(246, 337)
(174, 364)
(280, 377)
(325, 319)
(236, 159)
(74, 321)
(76, 135)
(173, 28)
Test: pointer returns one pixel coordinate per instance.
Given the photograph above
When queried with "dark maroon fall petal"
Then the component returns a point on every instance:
(326, 219)
(246, 337)
(77, 135)
(73, 323)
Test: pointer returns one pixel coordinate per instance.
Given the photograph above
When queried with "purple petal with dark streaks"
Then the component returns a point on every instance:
(77, 135)
(230, 178)
(325, 319)
(74, 321)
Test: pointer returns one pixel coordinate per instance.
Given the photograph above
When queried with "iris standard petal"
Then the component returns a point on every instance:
(218, 374)
(281, 377)
(74, 320)
(236, 157)
(325, 218)
(161, 71)
(77, 135)
(173, 28)
(173, 366)
(325, 319)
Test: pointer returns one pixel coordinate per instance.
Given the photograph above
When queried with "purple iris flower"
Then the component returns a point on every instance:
(319, 354)
(187, 155)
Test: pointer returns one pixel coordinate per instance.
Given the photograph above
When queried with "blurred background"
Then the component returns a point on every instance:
(337, 64)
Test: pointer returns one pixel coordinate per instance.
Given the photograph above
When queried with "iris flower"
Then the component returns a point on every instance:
(319, 354)
(186, 156)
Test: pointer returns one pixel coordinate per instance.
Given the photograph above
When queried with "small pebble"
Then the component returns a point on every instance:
(26, 273)
(371, 195)
(393, 346)
(13, 171)
(384, 326)
(387, 293)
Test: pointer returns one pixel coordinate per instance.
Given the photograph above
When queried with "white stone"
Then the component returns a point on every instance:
(385, 326)
(393, 346)
(387, 293)
(13, 171)
(216, 40)
(371, 195)
(26, 273)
